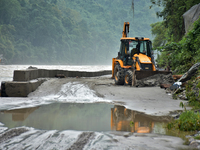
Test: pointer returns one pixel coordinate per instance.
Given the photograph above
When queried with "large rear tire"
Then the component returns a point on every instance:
(119, 75)
(128, 77)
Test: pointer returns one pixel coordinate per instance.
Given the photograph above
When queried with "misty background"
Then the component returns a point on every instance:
(69, 32)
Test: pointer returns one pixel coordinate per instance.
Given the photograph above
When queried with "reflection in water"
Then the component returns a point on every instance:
(123, 119)
(20, 114)
(83, 117)
(61, 116)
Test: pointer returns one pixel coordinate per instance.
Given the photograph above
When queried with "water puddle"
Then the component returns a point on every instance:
(84, 117)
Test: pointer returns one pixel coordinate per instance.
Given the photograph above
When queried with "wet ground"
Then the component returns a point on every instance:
(84, 126)
(84, 117)
(87, 113)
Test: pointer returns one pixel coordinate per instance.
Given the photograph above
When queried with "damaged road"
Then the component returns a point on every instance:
(52, 139)
(149, 100)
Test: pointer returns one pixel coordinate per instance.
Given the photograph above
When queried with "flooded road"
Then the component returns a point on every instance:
(85, 113)
(84, 126)
(84, 117)
(61, 116)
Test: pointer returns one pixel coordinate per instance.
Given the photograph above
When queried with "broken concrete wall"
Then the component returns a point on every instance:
(30, 74)
(19, 89)
(22, 85)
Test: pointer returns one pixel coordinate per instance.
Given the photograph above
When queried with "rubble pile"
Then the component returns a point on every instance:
(178, 89)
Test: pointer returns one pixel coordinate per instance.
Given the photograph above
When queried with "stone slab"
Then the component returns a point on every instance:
(19, 89)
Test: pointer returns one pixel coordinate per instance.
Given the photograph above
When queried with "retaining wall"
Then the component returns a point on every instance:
(30, 74)
(23, 80)
(19, 89)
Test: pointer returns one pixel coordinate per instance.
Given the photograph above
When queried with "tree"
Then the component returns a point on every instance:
(172, 16)
(9, 10)
(160, 32)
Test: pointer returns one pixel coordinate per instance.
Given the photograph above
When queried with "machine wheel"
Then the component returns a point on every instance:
(128, 77)
(119, 75)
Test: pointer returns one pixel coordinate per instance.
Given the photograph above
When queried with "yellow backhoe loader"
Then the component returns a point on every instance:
(134, 61)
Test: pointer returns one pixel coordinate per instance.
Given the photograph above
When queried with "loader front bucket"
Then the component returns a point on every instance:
(149, 78)
(144, 73)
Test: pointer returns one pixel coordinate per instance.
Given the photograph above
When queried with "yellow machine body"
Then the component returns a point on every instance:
(135, 59)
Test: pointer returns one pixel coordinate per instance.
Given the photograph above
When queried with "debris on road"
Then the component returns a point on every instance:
(178, 89)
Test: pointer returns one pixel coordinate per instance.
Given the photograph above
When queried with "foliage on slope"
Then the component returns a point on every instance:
(68, 31)
(188, 121)
(183, 54)
(179, 51)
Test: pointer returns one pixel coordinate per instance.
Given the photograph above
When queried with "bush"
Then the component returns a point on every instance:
(188, 121)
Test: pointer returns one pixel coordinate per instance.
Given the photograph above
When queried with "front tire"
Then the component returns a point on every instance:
(128, 78)
(119, 75)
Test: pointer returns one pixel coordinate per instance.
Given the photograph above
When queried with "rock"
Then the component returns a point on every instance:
(190, 73)
(194, 144)
(182, 95)
(30, 67)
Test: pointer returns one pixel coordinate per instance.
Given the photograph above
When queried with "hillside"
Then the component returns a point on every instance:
(70, 32)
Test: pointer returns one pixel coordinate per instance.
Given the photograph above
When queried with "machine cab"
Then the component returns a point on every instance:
(131, 46)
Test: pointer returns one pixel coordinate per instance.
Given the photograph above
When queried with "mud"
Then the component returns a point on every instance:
(52, 139)
(82, 140)
(11, 133)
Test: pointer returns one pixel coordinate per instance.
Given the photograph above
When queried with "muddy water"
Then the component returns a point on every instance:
(83, 117)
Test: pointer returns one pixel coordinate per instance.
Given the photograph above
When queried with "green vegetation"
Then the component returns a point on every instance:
(179, 51)
(193, 93)
(197, 137)
(69, 32)
(182, 55)
(188, 121)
